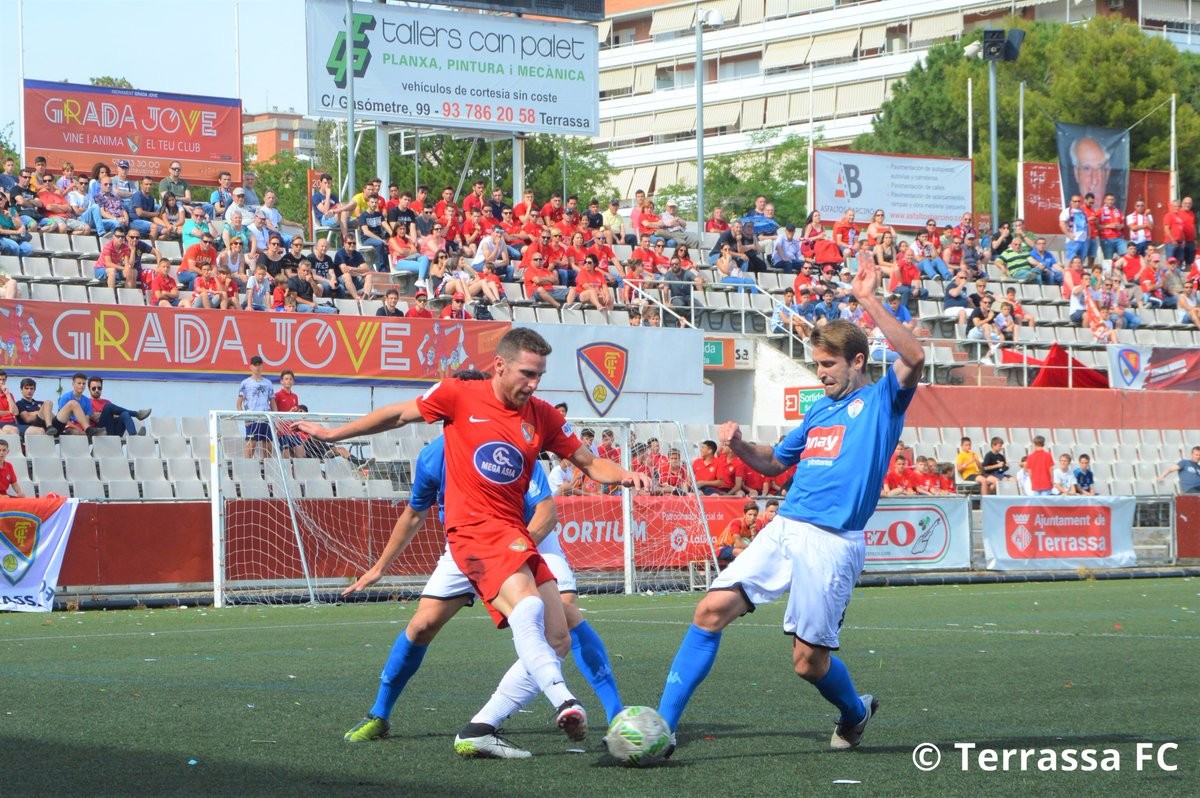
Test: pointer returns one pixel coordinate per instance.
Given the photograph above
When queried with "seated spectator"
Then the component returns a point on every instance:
(970, 468)
(420, 299)
(906, 279)
(9, 486)
(929, 257)
(590, 287)
(14, 236)
(730, 269)
(259, 288)
(716, 222)
(1085, 478)
(898, 480)
(981, 327)
(900, 311)
(37, 417)
(321, 450)
(117, 259)
(708, 469)
(357, 277)
(737, 535)
(788, 255)
(207, 292)
(164, 291)
(565, 479)
(786, 320)
(307, 290)
(111, 418)
(1188, 470)
(1018, 313)
(457, 309)
(995, 464)
(390, 308)
(168, 222)
(1064, 477)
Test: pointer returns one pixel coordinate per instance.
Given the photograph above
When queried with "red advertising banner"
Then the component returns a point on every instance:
(89, 124)
(1154, 368)
(1058, 532)
(1043, 196)
(54, 338)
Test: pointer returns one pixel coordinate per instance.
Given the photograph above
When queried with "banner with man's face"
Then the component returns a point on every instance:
(1093, 160)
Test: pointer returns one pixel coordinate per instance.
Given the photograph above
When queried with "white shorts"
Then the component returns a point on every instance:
(448, 581)
(816, 567)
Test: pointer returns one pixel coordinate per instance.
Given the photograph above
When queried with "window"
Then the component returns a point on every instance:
(285, 136)
(741, 68)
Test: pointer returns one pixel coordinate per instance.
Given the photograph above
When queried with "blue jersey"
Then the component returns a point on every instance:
(841, 453)
(429, 482)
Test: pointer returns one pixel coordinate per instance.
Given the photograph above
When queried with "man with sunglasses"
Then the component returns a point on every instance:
(116, 258)
(24, 199)
(196, 227)
(111, 206)
(175, 183)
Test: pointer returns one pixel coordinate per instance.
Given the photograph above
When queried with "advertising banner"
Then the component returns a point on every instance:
(57, 339)
(909, 189)
(33, 537)
(796, 401)
(1043, 196)
(417, 66)
(1092, 160)
(1048, 533)
(1154, 368)
(90, 124)
(919, 535)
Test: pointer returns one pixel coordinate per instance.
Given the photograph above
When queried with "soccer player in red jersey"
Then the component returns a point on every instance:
(494, 432)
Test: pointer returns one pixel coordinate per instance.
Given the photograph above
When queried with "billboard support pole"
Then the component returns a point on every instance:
(350, 144)
(1174, 163)
(383, 138)
(518, 167)
(21, 83)
(1020, 209)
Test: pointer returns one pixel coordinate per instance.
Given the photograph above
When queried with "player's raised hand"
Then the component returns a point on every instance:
(314, 429)
(728, 432)
(866, 281)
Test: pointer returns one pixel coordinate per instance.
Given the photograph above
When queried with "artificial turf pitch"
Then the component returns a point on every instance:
(254, 701)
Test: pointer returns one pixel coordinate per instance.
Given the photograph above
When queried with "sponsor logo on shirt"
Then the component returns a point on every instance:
(825, 442)
(519, 545)
(499, 462)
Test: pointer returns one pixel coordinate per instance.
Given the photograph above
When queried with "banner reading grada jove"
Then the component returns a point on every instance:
(429, 68)
(33, 538)
(1058, 532)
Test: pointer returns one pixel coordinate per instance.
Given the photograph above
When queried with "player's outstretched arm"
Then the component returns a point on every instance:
(760, 458)
(393, 416)
(606, 472)
(402, 534)
(545, 518)
(911, 364)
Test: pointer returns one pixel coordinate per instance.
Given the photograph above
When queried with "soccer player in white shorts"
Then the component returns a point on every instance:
(814, 548)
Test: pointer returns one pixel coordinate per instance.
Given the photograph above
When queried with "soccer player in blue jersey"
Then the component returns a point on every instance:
(814, 548)
(448, 591)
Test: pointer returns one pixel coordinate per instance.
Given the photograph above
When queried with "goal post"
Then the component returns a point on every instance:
(301, 520)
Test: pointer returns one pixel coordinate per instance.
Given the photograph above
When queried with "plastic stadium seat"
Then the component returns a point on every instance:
(380, 489)
(45, 468)
(114, 469)
(306, 468)
(87, 489)
(125, 491)
(318, 489)
(107, 446)
(71, 446)
(80, 469)
(183, 469)
(157, 490)
(193, 426)
(191, 490)
(57, 486)
(140, 446)
(40, 446)
(351, 488)
(148, 469)
(254, 488)
(172, 446)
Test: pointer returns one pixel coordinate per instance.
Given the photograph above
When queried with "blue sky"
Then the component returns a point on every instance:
(123, 38)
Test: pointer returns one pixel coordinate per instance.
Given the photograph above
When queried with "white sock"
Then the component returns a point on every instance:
(528, 623)
(515, 690)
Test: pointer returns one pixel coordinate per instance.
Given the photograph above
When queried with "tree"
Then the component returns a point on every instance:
(287, 176)
(1106, 72)
(777, 170)
(8, 147)
(111, 82)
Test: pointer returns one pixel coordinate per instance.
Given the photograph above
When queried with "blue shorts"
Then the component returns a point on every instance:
(258, 431)
(290, 441)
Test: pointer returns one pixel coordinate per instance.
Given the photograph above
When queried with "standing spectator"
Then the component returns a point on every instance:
(1189, 472)
(8, 408)
(1023, 486)
(1140, 224)
(257, 394)
(110, 417)
(1085, 478)
(1111, 224)
(1040, 464)
(287, 401)
(1064, 477)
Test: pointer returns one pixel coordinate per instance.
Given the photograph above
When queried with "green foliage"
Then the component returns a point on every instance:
(778, 170)
(1105, 72)
(8, 147)
(286, 175)
(589, 173)
(111, 82)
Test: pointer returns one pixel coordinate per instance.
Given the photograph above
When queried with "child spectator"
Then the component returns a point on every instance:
(995, 464)
(258, 289)
(737, 535)
(1040, 464)
(1023, 486)
(970, 468)
(8, 477)
(1085, 478)
(279, 293)
(1064, 477)
(898, 481)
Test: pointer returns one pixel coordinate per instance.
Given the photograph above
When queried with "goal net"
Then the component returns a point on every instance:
(295, 520)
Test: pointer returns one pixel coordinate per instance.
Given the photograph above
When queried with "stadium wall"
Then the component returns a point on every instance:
(1044, 409)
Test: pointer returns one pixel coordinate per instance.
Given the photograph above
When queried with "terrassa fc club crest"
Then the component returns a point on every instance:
(602, 371)
(18, 542)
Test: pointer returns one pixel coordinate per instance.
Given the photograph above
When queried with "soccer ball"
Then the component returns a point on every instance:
(638, 736)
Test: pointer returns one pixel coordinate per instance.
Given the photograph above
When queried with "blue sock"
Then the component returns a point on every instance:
(693, 661)
(592, 659)
(838, 689)
(401, 664)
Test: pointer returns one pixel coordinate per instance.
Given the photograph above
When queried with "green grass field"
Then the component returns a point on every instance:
(123, 702)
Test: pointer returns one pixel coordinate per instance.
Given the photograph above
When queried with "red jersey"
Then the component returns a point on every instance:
(8, 477)
(473, 202)
(590, 277)
(551, 214)
(286, 401)
(1093, 220)
(736, 529)
(751, 479)
(492, 449)
(716, 226)
(895, 480)
(1109, 216)
(415, 312)
(844, 235)
(1040, 464)
(1133, 267)
(707, 472)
